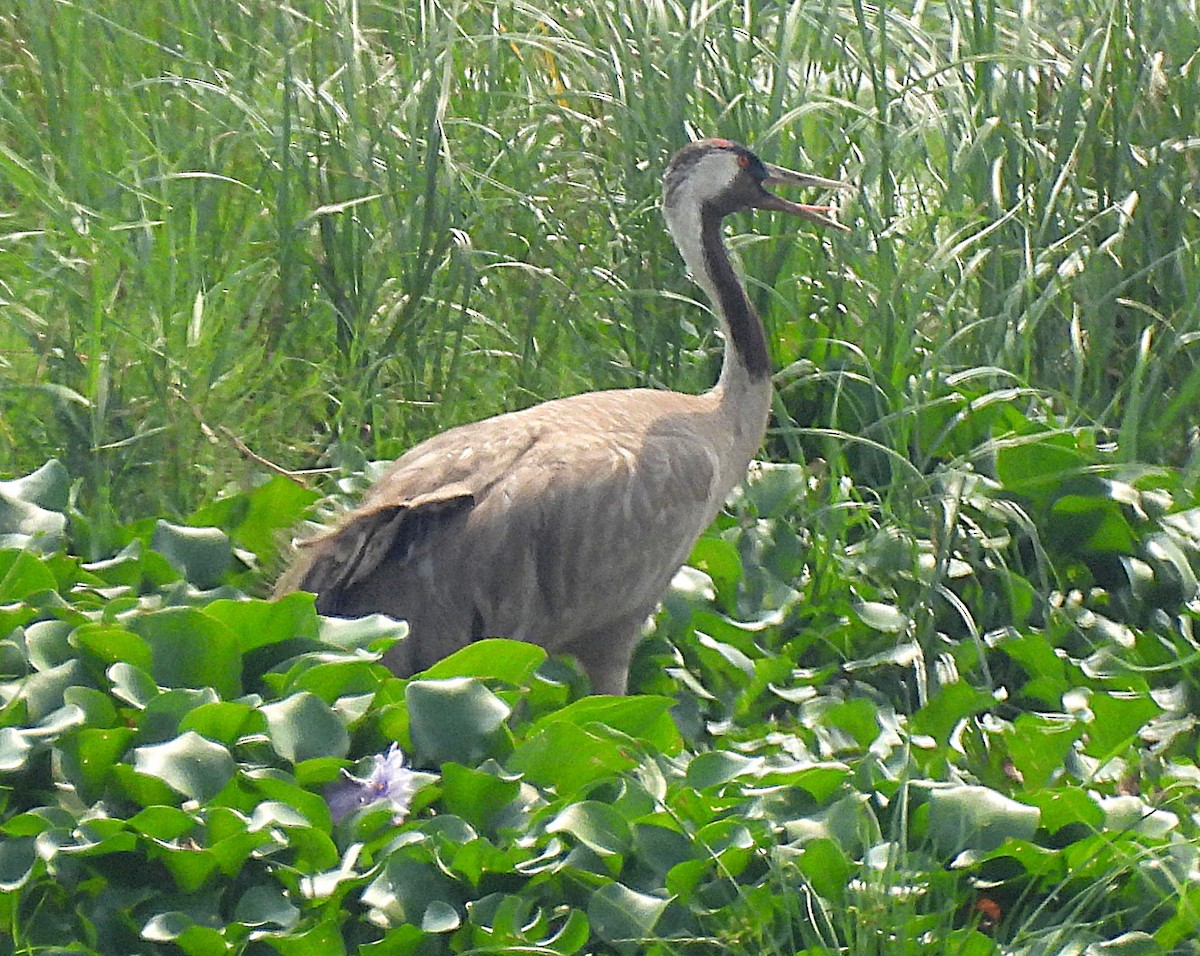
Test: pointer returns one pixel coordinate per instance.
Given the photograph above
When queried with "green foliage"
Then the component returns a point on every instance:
(927, 687)
(165, 751)
(328, 231)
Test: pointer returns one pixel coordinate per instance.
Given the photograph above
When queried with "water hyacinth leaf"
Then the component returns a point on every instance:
(826, 869)
(258, 624)
(454, 720)
(598, 826)
(111, 643)
(976, 818)
(24, 525)
(44, 692)
(1083, 523)
(48, 486)
(644, 717)
(47, 643)
(88, 758)
(882, 617)
(325, 939)
(22, 574)
(132, 684)
(1038, 464)
(1118, 718)
(195, 767)
(375, 632)
(303, 727)
(952, 703)
(162, 823)
(623, 917)
(1134, 814)
(18, 857)
(14, 749)
(405, 888)
(771, 487)
(223, 721)
(256, 517)
(718, 767)
(266, 905)
(722, 562)
(1038, 745)
(201, 555)
(1127, 944)
(191, 649)
(475, 794)
(567, 757)
(513, 662)
(440, 917)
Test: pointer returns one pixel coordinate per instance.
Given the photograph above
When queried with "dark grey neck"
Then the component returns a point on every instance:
(746, 336)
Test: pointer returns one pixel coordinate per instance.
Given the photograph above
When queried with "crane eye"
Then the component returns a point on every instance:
(744, 161)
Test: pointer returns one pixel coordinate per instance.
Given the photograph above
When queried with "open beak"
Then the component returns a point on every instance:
(778, 176)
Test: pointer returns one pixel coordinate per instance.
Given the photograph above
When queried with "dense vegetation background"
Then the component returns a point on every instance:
(928, 687)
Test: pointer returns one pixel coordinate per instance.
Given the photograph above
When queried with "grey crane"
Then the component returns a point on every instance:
(563, 524)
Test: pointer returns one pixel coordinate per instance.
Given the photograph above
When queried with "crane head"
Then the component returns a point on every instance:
(728, 177)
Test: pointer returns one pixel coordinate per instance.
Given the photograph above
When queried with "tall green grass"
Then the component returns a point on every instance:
(330, 229)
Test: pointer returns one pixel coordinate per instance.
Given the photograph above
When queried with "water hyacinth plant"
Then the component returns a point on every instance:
(927, 686)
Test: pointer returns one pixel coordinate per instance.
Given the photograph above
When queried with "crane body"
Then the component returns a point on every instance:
(563, 524)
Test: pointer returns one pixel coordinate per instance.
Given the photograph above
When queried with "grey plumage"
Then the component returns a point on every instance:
(563, 524)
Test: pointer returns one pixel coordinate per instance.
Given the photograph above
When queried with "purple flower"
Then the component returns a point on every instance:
(389, 782)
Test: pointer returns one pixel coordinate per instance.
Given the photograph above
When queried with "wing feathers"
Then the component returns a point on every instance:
(392, 533)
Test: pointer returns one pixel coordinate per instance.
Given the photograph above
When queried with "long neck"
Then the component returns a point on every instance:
(697, 232)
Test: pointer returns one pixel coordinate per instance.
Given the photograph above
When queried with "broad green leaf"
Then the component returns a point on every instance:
(953, 703)
(976, 818)
(1127, 944)
(256, 624)
(623, 917)
(191, 649)
(162, 823)
(43, 692)
(440, 917)
(111, 643)
(1035, 465)
(48, 487)
(476, 795)
(567, 757)
(24, 525)
(303, 727)
(457, 720)
(642, 717)
(14, 749)
(88, 758)
(882, 617)
(18, 857)
(266, 905)
(1118, 719)
(1038, 745)
(375, 632)
(1065, 806)
(826, 868)
(596, 825)
(22, 574)
(324, 939)
(256, 518)
(47, 643)
(190, 764)
(717, 767)
(223, 721)
(513, 662)
(201, 555)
